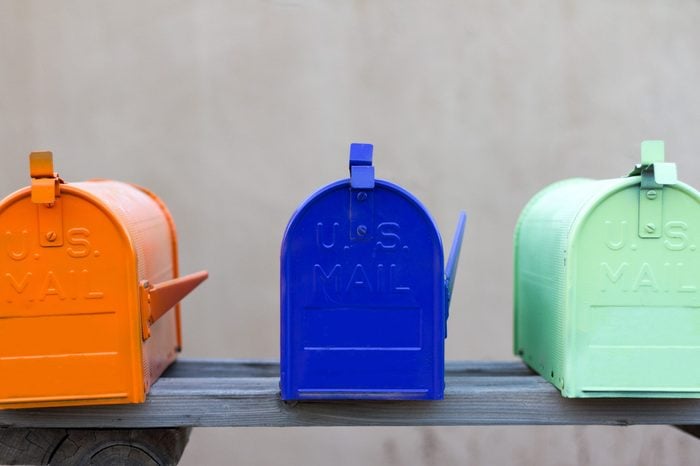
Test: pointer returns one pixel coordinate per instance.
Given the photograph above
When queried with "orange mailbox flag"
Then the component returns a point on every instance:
(89, 291)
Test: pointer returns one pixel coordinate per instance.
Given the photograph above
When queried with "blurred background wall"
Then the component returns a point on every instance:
(234, 112)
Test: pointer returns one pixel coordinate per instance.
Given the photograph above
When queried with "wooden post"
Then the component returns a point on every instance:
(156, 447)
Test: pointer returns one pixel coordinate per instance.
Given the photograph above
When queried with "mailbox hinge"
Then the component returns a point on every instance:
(361, 192)
(46, 190)
(655, 174)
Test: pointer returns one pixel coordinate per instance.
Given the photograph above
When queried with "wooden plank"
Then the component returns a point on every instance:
(201, 368)
(206, 394)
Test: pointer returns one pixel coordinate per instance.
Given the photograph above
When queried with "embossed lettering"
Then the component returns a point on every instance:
(73, 285)
(339, 284)
(675, 277)
(394, 279)
(51, 287)
(78, 237)
(20, 253)
(615, 241)
(19, 287)
(90, 294)
(666, 277)
(359, 278)
(613, 277)
(381, 278)
(676, 230)
(646, 279)
(390, 238)
(682, 276)
(320, 235)
(320, 276)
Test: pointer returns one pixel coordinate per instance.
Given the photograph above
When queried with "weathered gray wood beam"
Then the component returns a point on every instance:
(230, 393)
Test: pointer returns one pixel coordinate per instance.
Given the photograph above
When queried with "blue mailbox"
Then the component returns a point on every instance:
(364, 293)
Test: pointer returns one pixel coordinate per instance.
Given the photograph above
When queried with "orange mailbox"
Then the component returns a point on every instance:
(89, 292)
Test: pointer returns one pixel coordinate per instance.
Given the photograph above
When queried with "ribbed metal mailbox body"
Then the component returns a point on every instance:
(364, 295)
(606, 284)
(88, 275)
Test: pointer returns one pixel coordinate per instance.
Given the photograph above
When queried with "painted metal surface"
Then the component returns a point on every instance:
(74, 260)
(606, 284)
(363, 293)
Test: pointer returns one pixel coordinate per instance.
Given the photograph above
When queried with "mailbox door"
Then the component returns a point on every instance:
(66, 289)
(637, 299)
(363, 297)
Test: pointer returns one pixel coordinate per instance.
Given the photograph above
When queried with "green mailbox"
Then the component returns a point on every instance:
(606, 284)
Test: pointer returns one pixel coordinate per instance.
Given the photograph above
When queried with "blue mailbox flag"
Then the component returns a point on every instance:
(364, 293)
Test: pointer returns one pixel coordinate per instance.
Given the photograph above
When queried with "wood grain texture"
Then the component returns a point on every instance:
(68, 447)
(245, 393)
(29, 446)
(127, 447)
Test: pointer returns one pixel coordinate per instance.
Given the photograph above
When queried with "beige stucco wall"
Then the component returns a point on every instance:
(235, 111)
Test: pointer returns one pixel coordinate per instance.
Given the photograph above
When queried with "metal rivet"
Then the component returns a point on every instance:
(361, 196)
(651, 194)
(361, 230)
(650, 228)
(51, 236)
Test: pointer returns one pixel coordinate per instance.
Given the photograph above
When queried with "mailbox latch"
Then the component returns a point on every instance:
(655, 173)
(46, 190)
(361, 192)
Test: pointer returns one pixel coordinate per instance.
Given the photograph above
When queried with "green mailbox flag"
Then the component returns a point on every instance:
(606, 284)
